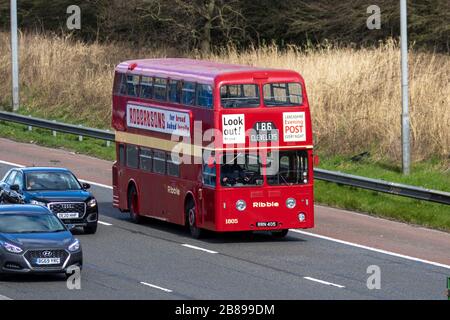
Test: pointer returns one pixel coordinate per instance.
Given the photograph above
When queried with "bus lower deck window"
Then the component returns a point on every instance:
(132, 156)
(173, 166)
(159, 162)
(145, 159)
(121, 154)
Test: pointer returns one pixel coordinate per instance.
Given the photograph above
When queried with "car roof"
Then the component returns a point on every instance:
(25, 209)
(43, 169)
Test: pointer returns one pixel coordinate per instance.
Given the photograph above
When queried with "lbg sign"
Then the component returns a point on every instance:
(264, 131)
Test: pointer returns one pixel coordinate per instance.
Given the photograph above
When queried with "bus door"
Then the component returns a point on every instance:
(208, 192)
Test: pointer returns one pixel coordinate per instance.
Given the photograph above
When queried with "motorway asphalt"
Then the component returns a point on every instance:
(157, 260)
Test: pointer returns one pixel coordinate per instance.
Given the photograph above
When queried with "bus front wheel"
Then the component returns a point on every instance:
(191, 220)
(280, 234)
(133, 205)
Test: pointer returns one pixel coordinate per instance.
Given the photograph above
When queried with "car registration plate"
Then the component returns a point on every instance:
(47, 261)
(68, 215)
(266, 224)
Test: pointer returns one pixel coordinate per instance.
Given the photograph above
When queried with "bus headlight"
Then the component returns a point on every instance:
(241, 205)
(291, 203)
(301, 217)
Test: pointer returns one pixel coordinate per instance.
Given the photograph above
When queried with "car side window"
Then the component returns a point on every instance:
(11, 177)
(19, 180)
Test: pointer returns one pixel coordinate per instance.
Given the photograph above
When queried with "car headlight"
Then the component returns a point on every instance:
(241, 205)
(75, 246)
(92, 203)
(291, 203)
(11, 248)
(38, 203)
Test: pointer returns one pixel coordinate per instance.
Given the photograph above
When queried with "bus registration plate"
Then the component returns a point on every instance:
(266, 224)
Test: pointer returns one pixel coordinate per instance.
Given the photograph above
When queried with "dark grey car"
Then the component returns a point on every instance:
(34, 240)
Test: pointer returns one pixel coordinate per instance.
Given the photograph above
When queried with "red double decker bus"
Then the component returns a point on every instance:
(213, 146)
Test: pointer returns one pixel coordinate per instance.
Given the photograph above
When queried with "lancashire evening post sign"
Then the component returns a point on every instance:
(160, 120)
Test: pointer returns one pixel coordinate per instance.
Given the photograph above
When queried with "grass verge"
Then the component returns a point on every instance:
(430, 174)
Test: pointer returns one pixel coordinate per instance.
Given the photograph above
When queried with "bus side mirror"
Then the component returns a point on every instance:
(15, 187)
(316, 160)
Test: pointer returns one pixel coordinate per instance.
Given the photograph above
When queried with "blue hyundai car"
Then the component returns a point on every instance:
(34, 240)
(55, 188)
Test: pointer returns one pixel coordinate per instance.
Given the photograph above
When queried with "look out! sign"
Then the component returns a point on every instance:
(160, 120)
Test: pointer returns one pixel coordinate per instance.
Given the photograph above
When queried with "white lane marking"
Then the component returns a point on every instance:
(324, 282)
(97, 184)
(11, 164)
(81, 180)
(304, 232)
(198, 248)
(156, 287)
(373, 249)
(105, 223)
(4, 298)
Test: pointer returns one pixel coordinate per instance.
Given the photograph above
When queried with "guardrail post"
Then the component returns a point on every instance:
(80, 138)
(54, 132)
(30, 128)
(108, 143)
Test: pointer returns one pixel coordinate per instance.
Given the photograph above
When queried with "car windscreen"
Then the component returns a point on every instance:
(283, 94)
(239, 96)
(25, 223)
(39, 181)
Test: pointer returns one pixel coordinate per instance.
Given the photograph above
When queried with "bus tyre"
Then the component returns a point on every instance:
(280, 233)
(191, 219)
(133, 205)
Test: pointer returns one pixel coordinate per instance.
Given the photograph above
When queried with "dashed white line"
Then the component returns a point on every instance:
(156, 287)
(373, 249)
(105, 223)
(198, 248)
(324, 282)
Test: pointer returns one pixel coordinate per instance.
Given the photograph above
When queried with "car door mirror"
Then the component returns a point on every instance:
(86, 186)
(15, 187)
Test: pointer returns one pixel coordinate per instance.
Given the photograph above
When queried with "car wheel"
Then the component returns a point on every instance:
(133, 205)
(280, 233)
(90, 228)
(196, 232)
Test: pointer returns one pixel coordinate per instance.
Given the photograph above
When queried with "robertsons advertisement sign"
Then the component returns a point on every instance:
(160, 120)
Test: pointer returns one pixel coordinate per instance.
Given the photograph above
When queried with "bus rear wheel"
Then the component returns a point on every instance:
(280, 233)
(191, 220)
(133, 205)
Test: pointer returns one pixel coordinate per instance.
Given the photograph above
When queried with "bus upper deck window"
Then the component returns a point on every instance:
(175, 91)
(204, 96)
(239, 95)
(146, 87)
(160, 87)
(188, 93)
(283, 94)
(132, 85)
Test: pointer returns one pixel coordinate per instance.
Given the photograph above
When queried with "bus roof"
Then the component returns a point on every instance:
(189, 68)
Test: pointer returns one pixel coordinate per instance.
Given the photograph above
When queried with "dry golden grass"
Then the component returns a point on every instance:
(354, 94)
